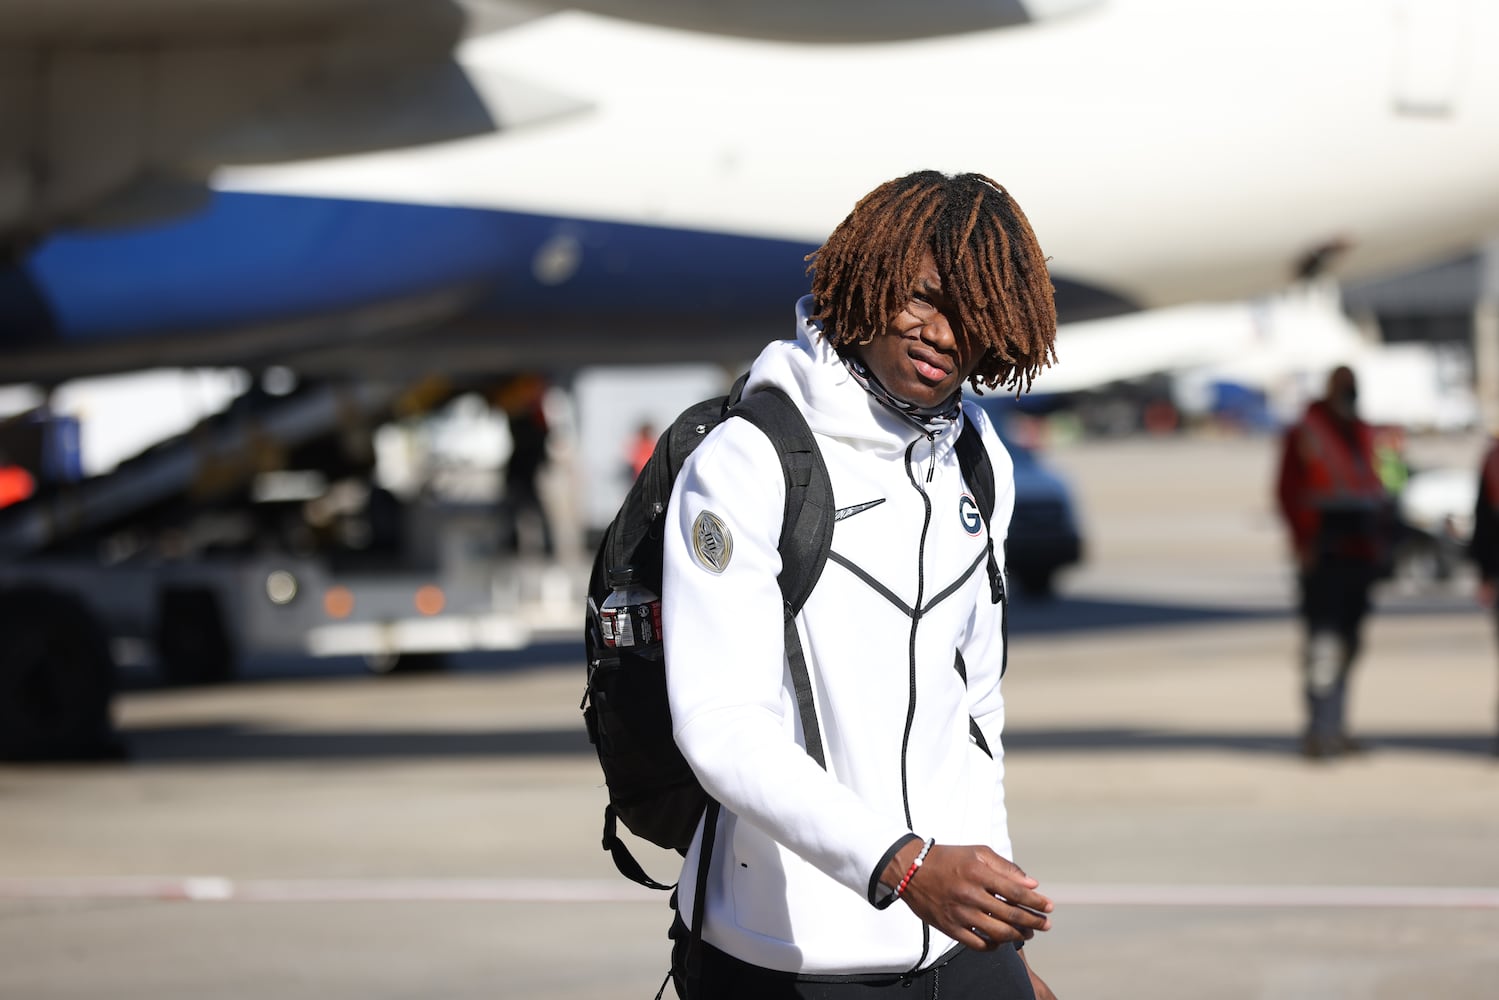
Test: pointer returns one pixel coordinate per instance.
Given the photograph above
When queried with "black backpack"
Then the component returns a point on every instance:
(652, 790)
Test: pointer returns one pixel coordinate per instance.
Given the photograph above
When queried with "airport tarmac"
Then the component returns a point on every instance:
(336, 835)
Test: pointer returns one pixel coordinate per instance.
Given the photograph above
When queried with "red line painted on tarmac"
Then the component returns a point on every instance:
(215, 889)
(1277, 896)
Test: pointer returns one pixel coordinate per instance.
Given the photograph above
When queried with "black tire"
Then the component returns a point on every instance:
(56, 679)
(193, 643)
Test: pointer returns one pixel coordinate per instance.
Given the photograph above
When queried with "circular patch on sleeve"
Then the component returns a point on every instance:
(712, 545)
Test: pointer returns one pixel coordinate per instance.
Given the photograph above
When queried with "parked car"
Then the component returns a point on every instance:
(1044, 533)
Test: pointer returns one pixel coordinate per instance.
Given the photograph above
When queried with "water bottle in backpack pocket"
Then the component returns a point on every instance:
(651, 788)
(630, 617)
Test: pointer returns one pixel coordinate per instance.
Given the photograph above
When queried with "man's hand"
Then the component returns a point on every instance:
(971, 894)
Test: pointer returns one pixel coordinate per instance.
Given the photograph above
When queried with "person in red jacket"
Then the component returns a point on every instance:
(16, 484)
(1484, 546)
(1341, 522)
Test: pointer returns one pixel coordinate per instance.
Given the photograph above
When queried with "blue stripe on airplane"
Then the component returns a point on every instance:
(249, 258)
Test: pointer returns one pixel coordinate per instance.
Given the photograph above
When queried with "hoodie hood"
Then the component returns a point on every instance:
(813, 374)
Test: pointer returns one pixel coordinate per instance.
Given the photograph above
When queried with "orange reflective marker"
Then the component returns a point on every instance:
(430, 600)
(338, 602)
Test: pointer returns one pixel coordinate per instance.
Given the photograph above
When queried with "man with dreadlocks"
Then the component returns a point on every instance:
(887, 864)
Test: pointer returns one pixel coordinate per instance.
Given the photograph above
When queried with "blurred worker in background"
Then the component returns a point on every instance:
(1484, 547)
(1389, 458)
(16, 484)
(642, 446)
(1341, 521)
(521, 399)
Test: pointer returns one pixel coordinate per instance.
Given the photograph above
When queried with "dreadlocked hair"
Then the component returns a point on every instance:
(986, 254)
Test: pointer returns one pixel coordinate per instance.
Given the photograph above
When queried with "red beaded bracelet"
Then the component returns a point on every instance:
(914, 865)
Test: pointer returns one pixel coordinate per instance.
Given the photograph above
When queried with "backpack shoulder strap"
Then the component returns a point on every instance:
(807, 525)
(736, 391)
(978, 470)
(978, 473)
(806, 531)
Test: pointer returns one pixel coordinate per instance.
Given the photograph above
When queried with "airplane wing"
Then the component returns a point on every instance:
(120, 111)
(116, 113)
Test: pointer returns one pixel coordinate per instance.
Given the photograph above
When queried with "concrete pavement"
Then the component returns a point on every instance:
(438, 836)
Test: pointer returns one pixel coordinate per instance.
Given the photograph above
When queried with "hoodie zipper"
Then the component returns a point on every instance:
(905, 743)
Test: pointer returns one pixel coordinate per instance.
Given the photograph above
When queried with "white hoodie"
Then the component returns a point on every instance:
(799, 849)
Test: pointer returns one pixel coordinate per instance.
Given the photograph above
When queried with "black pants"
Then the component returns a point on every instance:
(967, 975)
(1334, 603)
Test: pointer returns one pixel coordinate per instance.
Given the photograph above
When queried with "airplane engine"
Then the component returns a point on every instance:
(834, 20)
(114, 117)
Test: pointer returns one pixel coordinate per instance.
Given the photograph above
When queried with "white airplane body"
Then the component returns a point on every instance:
(1166, 151)
(1170, 149)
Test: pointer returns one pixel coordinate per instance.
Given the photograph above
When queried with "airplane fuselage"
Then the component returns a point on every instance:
(1166, 151)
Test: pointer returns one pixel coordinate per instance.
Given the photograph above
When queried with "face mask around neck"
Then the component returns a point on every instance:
(929, 418)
